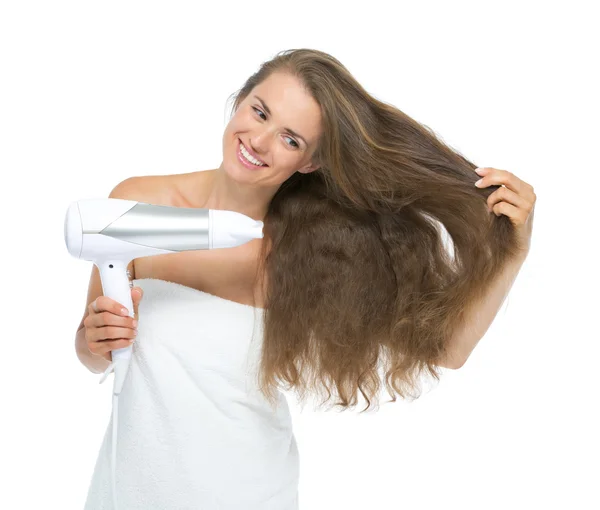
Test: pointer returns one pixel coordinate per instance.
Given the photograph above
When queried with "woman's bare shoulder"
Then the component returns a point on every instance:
(151, 189)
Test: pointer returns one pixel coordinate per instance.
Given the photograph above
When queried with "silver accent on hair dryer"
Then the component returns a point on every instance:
(166, 228)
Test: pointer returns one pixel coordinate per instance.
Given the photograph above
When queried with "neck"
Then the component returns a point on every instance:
(226, 194)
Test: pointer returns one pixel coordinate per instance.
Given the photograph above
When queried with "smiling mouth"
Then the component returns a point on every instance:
(241, 144)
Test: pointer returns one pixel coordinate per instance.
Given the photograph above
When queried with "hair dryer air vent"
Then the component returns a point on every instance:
(73, 230)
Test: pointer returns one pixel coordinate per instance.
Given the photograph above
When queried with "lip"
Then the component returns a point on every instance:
(252, 153)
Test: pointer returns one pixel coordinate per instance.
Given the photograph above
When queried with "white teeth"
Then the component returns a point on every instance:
(249, 157)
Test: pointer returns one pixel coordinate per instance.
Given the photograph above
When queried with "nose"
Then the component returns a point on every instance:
(254, 147)
(260, 142)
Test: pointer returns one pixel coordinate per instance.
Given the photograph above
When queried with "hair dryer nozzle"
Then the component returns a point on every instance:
(231, 228)
(73, 230)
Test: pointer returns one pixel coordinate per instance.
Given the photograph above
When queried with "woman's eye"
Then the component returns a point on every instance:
(259, 112)
(295, 144)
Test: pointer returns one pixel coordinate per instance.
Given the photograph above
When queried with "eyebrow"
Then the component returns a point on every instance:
(287, 129)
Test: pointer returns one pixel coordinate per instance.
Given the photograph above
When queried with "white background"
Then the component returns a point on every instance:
(95, 92)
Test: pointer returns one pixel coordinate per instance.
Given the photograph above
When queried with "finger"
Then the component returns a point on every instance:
(116, 333)
(494, 176)
(136, 294)
(503, 194)
(105, 333)
(106, 304)
(135, 299)
(101, 348)
(516, 216)
(103, 319)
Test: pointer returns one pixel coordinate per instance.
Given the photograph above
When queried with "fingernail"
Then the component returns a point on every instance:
(135, 323)
(480, 171)
(478, 183)
(124, 311)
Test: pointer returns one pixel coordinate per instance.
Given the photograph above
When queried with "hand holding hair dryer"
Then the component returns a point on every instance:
(111, 232)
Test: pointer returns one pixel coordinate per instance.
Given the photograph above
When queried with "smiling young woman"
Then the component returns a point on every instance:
(352, 278)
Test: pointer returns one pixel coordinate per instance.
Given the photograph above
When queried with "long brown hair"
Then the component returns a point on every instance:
(359, 277)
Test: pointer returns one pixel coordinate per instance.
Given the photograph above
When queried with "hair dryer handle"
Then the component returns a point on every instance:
(115, 285)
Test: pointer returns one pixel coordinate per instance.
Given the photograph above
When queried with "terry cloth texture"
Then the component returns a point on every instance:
(194, 432)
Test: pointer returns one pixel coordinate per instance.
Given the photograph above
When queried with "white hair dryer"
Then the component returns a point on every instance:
(111, 232)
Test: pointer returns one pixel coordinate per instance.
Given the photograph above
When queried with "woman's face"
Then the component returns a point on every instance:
(280, 125)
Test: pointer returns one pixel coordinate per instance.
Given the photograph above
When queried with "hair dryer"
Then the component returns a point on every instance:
(111, 232)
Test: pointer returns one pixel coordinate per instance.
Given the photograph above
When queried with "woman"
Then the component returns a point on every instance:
(352, 275)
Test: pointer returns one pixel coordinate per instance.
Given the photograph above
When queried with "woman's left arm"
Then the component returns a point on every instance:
(516, 199)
